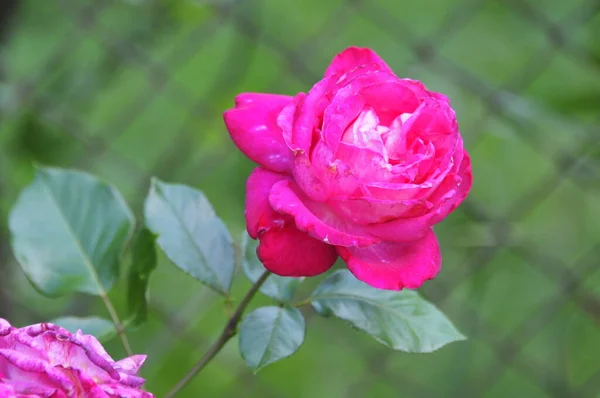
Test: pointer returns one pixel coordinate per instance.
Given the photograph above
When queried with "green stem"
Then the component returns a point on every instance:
(117, 322)
(228, 332)
(303, 302)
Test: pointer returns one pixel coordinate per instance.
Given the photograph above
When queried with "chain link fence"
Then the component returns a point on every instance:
(132, 89)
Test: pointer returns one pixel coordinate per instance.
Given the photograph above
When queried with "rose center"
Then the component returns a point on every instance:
(366, 132)
(384, 152)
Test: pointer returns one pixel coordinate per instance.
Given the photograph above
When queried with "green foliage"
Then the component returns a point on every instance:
(277, 287)
(269, 334)
(142, 264)
(70, 229)
(68, 232)
(190, 233)
(401, 320)
(100, 328)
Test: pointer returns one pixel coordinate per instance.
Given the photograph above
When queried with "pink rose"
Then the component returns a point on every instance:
(362, 166)
(47, 361)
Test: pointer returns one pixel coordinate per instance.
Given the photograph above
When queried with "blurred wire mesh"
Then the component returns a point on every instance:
(129, 89)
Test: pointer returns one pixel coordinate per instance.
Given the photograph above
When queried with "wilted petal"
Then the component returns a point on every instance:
(6, 391)
(47, 361)
(21, 367)
(131, 380)
(84, 384)
(119, 391)
(395, 265)
(5, 327)
(30, 389)
(69, 351)
(130, 365)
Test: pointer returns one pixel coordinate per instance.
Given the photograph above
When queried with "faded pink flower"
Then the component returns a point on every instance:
(362, 166)
(47, 361)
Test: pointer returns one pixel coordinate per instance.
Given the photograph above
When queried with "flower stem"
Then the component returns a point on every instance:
(117, 322)
(303, 302)
(228, 332)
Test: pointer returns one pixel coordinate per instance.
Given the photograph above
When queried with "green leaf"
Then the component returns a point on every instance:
(69, 231)
(401, 320)
(190, 233)
(143, 263)
(100, 328)
(269, 334)
(277, 287)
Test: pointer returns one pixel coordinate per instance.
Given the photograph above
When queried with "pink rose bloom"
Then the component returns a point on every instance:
(362, 166)
(47, 361)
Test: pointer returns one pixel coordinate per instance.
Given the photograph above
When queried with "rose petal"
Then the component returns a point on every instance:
(7, 391)
(287, 251)
(347, 103)
(299, 118)
(402, 229)
(45, 360)
(305, 175)
(366, 210)
(131, 380)
(390, 99)
(253, 127)
(92, 345)
(286, 120)
(438, 125)
(400, 191)
(453, 190)
(421, 91)
(118, 391)
(280, 240)
(71, 351)
(339, 116)
(130, 365)
(395, 266)
(84, 383)
(29, 389)
(353, 57)
(323, 175)
(316, 218)
(20, 341)
(259, 213)
(366, 164)
(434, 121)
(5, 327)
(20, 367)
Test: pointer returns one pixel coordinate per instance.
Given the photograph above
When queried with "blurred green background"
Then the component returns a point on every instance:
(128, 89)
